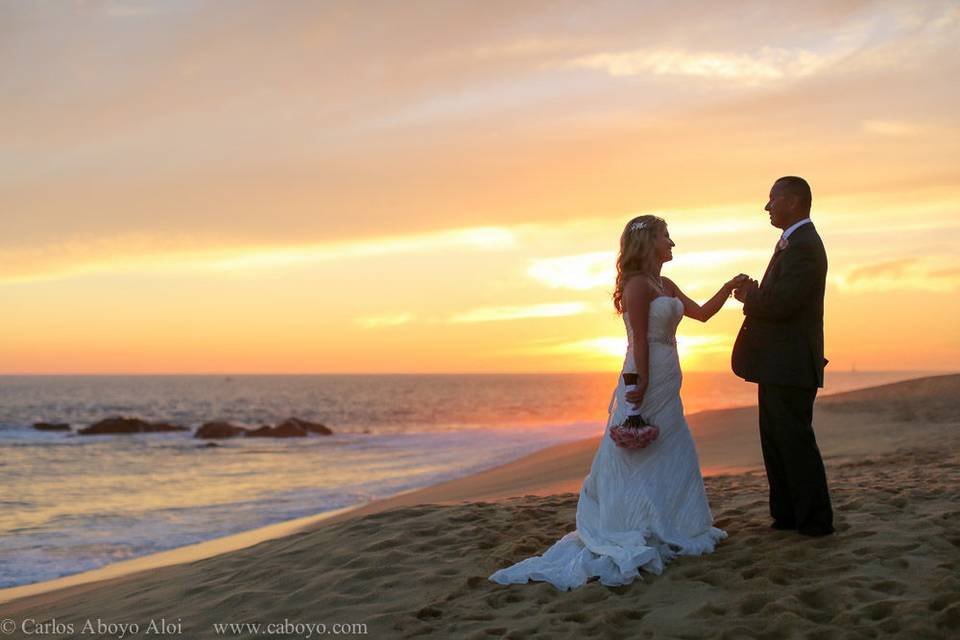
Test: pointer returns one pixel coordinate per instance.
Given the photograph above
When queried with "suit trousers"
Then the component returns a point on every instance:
(798, 481)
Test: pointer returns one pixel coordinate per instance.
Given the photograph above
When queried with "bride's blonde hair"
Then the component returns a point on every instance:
(636, 252)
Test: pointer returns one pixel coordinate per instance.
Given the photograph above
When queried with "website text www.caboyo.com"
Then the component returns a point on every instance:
(289, 628)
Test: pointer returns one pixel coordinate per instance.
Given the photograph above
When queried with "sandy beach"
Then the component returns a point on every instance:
(417, 564)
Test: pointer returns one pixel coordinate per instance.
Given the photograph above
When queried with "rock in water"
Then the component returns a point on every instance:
(51, 426)
(312, 427)
(211, 430)
(128, 425)
(280, 431)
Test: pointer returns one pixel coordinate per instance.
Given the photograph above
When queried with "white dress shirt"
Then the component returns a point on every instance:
(794, 227)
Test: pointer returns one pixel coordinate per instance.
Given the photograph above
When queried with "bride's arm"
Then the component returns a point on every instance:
(709, 308)
(637, 295)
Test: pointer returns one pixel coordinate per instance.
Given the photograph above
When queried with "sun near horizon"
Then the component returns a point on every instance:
(441, 188)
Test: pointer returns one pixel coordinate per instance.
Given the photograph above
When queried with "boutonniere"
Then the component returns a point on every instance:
(782, 244)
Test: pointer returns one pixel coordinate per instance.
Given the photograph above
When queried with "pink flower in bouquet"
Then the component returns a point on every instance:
(634, 437)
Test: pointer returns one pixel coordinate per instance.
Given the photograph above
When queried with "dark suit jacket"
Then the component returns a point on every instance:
(781, 340)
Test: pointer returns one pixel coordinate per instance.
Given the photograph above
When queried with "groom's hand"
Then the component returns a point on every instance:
(732, 284)
(741, 292)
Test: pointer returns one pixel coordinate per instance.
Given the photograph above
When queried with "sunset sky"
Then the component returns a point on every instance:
(299, 187)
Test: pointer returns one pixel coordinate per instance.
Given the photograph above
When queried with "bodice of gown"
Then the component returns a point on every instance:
(665, 376)
(665, 315)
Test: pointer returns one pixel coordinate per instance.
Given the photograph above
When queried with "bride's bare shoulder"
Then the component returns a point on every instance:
(638, 283)
(637, 289)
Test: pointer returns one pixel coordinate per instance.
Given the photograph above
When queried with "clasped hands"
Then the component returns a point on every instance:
(742, 285)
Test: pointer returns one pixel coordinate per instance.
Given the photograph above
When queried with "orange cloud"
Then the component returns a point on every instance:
(493, 314)
(896, 128)
(142, 252)
(925, 273)
(580, 272)
(393, 320)
(891, 268)
(767, 64)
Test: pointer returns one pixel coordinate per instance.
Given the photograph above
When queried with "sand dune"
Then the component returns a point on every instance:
(417, 564)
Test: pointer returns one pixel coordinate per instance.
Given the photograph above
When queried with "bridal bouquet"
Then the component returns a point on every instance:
(634, 433)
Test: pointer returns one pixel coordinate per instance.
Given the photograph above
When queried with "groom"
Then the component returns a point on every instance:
(780, 346)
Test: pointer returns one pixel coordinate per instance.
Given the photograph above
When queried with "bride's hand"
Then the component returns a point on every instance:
(735, 282)
(635, 397)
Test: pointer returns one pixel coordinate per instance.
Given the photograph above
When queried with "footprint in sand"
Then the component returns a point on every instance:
(949, 618)
(889, 587)
(465, 519)
(897, 564)
(798, 553)
(856, 534)
(428, 613)
(717, 578)
(878, 610)
(821, 599)
(475, 581)
(749, 574)
(943, 601)
(780, 576)
(578, 617)
(590, 594)
(754, 603)
(709, 610)
(479, 617)
(499, 599)
(752, 541)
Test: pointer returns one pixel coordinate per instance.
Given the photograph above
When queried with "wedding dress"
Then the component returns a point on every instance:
(639, 508)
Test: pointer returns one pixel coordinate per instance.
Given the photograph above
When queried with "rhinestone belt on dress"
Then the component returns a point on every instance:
(663, 340)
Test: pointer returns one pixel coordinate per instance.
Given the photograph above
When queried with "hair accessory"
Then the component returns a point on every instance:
(640, 225)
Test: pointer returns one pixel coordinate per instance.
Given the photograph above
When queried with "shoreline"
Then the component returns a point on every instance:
(890, 571)
(446, 492)
(496, 480)
(437, 493)
(725, 436)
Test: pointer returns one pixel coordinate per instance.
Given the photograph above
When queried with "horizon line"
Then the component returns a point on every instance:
(414, 373)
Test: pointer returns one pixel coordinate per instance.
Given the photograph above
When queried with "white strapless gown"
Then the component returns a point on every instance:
(638, 509)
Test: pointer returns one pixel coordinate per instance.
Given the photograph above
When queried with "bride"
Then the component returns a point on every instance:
(639, 508)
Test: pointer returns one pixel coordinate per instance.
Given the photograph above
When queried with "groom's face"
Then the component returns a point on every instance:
(780, 206)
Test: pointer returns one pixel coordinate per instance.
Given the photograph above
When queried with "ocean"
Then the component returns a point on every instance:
(70, 503)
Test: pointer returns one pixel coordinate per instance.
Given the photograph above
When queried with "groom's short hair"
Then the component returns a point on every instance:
(796, 186)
